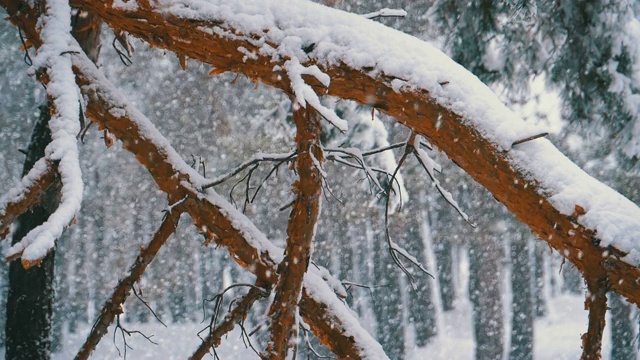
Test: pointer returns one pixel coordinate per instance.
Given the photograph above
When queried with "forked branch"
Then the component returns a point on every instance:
(52, 67)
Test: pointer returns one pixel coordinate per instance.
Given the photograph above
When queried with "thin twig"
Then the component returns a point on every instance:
(518, 142)
(123, 332)
(146, 304)
(256, 159)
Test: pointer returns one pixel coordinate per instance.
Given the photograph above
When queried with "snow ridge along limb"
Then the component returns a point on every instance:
(53, 61)
(422, 88)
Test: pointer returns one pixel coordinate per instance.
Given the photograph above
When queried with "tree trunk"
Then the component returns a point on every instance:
(622, 340)
(30, 297)
(522, 309)
(387, 298)
(444, 256)
(539, 285)
(422, 311)
(485, 272)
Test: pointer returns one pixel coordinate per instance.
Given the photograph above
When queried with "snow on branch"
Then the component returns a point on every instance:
(26, 194)
(53, 63)
(386, 12)
(421, 87)
(305, 93)
(432, 167)
(217, 219)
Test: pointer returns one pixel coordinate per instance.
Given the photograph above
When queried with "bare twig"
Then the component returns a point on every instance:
(138, 294)
(394, 250)
(431, 168)
(125, 332)
(125, 58)
(255, 160)
(518, 142)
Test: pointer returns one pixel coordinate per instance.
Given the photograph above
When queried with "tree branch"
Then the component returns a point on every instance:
(596, 303)
(113, 306)
(27, 194)
(504, 173)
(52, 67)
(300, 231)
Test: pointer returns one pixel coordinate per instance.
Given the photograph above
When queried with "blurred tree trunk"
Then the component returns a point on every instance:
(623, 346)
(387, 297)
(539, 281)
(522, 303)
(485, 255)
(444, 255)
(572, 280)
(422, 311)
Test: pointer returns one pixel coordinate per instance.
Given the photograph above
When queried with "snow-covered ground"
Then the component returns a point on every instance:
(557, 336)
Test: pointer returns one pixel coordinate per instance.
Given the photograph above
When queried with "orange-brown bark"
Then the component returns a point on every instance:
(300, 231)
(30, 197)
(113, 306)
(210, 219)
(480, 158)
(596, 303)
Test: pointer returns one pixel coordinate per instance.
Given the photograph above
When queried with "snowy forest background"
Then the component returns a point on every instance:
(497, 292)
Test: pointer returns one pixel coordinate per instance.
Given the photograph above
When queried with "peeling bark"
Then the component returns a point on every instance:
(300, 231)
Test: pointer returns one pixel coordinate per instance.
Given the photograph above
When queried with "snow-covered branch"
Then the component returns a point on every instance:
(52, 65)
(26, 194)
(422, 88)
(386, 12)
(215, 218)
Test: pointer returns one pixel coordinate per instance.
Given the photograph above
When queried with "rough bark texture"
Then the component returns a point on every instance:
(596, 303)
(30, 298)
(325, 324)
(300, 231)
(480, 158)
(113, 306)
